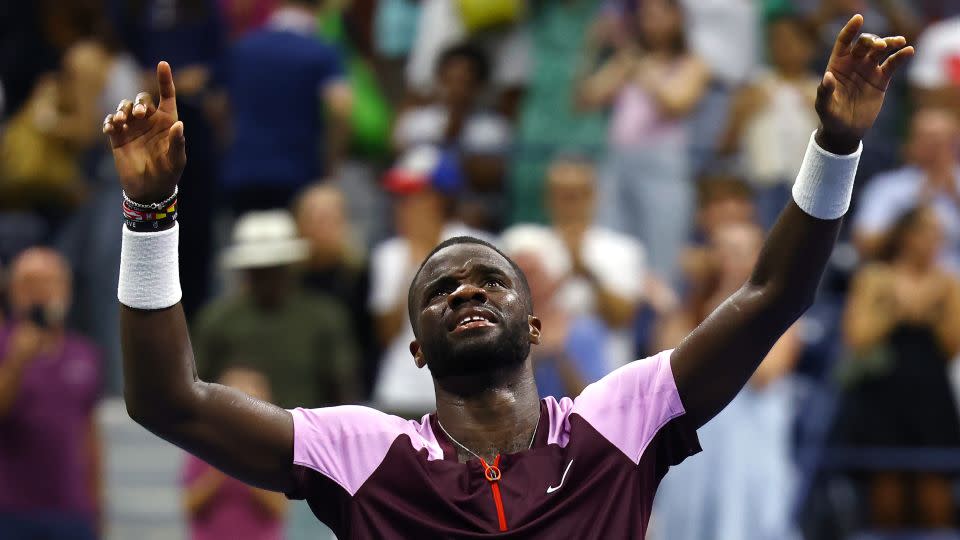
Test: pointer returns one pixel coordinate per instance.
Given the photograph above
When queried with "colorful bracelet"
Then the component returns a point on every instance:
(140, 219)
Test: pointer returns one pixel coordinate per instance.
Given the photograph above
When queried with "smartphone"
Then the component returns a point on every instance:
(39, 316)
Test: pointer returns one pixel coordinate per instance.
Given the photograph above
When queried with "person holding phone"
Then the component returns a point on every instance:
(49, 384)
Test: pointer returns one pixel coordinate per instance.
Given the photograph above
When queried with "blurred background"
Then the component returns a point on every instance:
(630, 154)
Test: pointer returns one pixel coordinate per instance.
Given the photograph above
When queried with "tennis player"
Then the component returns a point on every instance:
(495, 459)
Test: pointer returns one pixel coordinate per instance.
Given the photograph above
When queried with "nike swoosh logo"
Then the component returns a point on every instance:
(551, 489)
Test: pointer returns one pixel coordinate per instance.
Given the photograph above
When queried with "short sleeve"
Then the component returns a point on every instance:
(486, 134)
(345, 444)
(637, 404)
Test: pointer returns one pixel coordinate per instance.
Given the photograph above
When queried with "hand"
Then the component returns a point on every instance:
(25, 343)
(148, 143)
(851, 93)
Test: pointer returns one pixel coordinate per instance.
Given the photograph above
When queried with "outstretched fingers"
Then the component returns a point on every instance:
(177, 151)
(143, 106)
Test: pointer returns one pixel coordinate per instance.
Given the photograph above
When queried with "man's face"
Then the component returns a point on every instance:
(470, 315)
(570, 193)
(934, 139)
(322, 220)
(39, 277)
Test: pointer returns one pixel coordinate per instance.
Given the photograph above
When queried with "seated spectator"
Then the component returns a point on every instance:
(50, 469)
(902, 326)
(337, 266)
(931, 177)
(935, 72)
(273, 155)
(741, 486)
(302, 342)
(572, 349)
(653, 84)
(772, 117)
(455, 121)
(422, 221)
(608, 269)
(219, 506)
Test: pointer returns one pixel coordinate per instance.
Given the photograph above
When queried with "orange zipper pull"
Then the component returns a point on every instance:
(493, 475)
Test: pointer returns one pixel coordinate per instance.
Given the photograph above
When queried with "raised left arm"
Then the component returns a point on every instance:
(713, 363)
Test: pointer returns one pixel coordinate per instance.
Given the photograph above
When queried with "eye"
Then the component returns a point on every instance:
(441, 290)
(494, 282)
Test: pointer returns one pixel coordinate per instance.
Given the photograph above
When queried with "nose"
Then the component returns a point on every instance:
(465, 293)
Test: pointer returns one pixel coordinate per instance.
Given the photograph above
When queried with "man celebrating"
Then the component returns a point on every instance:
(494, 458)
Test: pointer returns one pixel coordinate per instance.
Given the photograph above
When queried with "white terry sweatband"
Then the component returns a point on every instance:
(824, 185)
(149, 269)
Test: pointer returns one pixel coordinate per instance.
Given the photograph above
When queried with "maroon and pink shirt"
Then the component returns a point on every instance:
(592, 471)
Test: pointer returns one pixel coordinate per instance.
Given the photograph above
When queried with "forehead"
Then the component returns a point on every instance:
(460, 257)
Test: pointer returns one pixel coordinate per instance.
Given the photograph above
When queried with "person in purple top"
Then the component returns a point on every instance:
(49, 384)
(494, 459)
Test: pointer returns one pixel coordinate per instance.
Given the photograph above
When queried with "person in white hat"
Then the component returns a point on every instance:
(301, 341)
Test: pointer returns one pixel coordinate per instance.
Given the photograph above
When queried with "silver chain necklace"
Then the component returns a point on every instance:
(455, 441)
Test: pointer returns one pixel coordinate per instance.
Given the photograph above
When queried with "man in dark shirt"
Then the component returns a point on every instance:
(494, 459)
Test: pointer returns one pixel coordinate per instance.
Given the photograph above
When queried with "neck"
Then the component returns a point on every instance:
(500, 418)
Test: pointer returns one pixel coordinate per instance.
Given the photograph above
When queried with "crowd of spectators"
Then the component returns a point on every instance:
(629, 154)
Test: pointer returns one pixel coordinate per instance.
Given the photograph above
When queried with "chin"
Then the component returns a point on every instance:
(476, 354)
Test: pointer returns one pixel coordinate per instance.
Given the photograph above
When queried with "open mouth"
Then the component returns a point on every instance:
(474, 319)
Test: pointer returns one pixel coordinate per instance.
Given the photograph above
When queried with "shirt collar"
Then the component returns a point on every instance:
(292, 19)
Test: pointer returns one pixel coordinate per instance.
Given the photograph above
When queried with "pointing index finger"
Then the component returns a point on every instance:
(849, 33)
(165, 82)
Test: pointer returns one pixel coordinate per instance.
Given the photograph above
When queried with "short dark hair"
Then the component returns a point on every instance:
(524, 286)
(718, 187)
(794, 19)
(469, 52)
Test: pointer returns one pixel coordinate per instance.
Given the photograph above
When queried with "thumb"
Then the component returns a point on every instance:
(825, 91)
(177, 152)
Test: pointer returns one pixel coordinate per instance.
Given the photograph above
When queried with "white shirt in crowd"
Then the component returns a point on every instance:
(483, 133)
(724, 34)
(888, 195)
(618, 263)
(937, 62)
(401, 386)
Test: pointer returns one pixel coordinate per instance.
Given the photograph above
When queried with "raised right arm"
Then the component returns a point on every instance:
(246, 438)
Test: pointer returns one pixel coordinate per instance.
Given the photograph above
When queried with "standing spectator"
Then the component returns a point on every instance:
(935, 72)
(219, 506)
(50, 470)
(902, 326)
(741, 486)
(561, 52)
(303, 343)
(645, 187)
(773, 116)
(337, 266)
(725, 34)
(422, 221)
(272, 155)
(572, 349)
(931, 177)
(479, 139)
(608, 267)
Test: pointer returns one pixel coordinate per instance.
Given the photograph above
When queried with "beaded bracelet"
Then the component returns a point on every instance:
(151, 206)
(148, 220)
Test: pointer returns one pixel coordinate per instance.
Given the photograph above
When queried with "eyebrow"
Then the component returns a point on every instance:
(482, 268)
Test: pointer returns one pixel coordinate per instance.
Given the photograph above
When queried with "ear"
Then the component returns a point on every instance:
(534, 324)
(417, 353)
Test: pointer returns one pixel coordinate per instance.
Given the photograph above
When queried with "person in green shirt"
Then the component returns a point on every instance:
(302, 341)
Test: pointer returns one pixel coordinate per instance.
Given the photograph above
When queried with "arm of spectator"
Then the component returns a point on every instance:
(22, 347)
(202, 491)
(870, 313)
(780, 361)
(679, 93)
(273, 504)
(338, 99)
(746, 103)
(714, 362)
(947, 321)
(246, 437)
(599, 89)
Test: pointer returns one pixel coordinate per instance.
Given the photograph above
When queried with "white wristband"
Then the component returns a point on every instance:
(824, 185)
(149, 269)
